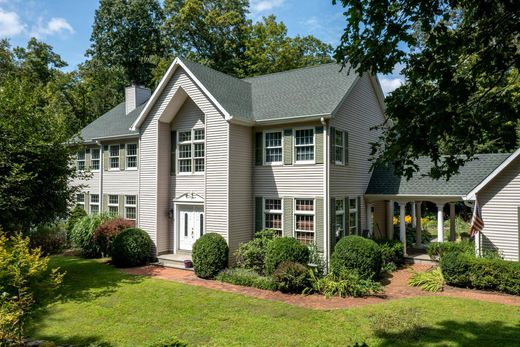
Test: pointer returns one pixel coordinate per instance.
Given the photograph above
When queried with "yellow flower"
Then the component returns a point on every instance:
(408, 219)
(396, 220)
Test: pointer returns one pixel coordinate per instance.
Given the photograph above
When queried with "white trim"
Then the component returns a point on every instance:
(471, 195)
(304, 213)
(98, 203)
(164, 81)
(274, 163)
(127, 156)
(115, 137)
(342, 162)
(98, 159)
(280, 212)
(357, 212)
(109, 204)
(294, 146)
(84, 160)
(294, 119)
(176, 220)
(110, 156)
(130, 205)
(192, 142)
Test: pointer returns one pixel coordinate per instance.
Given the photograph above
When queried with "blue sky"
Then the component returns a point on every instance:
(66, 25)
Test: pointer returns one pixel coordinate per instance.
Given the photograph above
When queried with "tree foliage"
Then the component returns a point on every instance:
(460, 60)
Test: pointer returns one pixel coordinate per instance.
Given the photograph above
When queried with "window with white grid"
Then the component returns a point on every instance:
(113, 157)
(80, 200)
(113, 204)
(273, 215)
(191, 151)
(131, 207)
(340, 218)
(353, 216)
(304, 220)
(304, 145)
(273, 147)
(80, 161)
(94, 203)
(339, 147)
(95, 159)
(131, 156)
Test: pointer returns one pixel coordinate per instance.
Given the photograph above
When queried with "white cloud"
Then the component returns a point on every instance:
(56, 25)
(313, 24)
(390, 84)
(258, 6)
(10, 24)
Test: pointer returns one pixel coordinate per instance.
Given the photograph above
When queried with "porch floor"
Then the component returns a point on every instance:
(418, 256)
(174, 260)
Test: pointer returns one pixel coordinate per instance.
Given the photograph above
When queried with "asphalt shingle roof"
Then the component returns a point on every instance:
(384, 182)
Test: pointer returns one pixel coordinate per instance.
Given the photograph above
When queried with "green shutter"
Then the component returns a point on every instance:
(259, 214)
(259, 151)
(346, 147)
(87, 159)
(332, 231)
(347, 217)
(332, 145)
(287, 146)
(288, 217)
(319, 145)
(121, 208)
(173, 148)
(122, 159)
(87, 202)
(319, 224)
(105, 158)
(359, 229)
(104, 206)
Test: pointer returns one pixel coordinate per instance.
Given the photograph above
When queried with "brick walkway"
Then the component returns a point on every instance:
(396, 287)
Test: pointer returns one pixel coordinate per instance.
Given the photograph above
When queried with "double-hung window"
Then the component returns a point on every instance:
(131, 156)
(304, 220)
(353, 210)
(94, 203)
(131, 207)
(191, 151)
(113, 157)
(80, 200)
(273, 215)
(339, 147)
(80, 161)
(95, 159)
(304, 145)
(113, 204)
(273, 147)
(340, 218)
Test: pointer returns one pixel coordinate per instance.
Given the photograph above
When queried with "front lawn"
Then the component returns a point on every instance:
(100, 304)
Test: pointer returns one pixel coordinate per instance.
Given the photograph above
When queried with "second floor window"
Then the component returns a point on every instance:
(113, 156)
(273, 147)
(80, 161)
(273, 215)
(94, 159)
(304, 145)
(191, 151)
(131, 156)
(113, 204)
(339, 147)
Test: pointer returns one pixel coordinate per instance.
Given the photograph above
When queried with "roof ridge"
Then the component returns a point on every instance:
(212, 69)
(290, 70)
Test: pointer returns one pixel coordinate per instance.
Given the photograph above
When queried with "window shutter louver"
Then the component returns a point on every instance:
(319, 224)
(121, 207)
(346, 147)
(287, 146)
(105, 203)
(318, 147)
(347, 217)
(359, 229)
(259, 151)
(259, 218)
(173, 148)
(86, 197)
(87, 159)
(288, 217)
(332, 231)
(105, 158)
(122, 159)
(332, 150)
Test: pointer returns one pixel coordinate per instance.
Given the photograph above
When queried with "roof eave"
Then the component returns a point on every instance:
(115, 137)
(295, 119)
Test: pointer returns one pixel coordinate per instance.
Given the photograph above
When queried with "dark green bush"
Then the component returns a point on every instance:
(247, 278)
(358, 254)
(392, 254)
(291, 277)
(131, 247)
(251, 255)
(82, 235)
(437, 249)
(50, 238)
(210, 255)
(285, 249)
(466, 270)
(76, 214)
(345, 284)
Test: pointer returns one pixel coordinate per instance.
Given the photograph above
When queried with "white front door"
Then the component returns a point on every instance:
(190, 225)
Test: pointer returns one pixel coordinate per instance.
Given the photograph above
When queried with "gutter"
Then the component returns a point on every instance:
(326, 199)
(115, 137)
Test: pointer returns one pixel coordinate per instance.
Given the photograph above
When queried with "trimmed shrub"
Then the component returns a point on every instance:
(437, 249)
(247, 278)
(105, 233)
(345, 284)
(210, 255)
(285, 249)
(131, 247)
(392, 254)
(76, 214)
(357, 254)
(82, 235)
(251, 255)
(291, 277)
(50, 238)
(465, 270)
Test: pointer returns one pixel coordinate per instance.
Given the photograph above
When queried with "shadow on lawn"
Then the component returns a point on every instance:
(467, 334)
(76, 341)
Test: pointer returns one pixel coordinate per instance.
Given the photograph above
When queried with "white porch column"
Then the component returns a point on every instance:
(440, 223)
(369, 219)
(452, 221)
(390, 219)
(402, 225)
(418, 227)
(414, 215)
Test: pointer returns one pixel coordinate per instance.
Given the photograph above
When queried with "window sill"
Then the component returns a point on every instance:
(277, 163)
(131, 169)
(304, 162)
(114, 169)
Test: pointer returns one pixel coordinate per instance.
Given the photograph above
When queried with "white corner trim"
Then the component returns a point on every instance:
(164, 81)
(471, 195)
(379, 92)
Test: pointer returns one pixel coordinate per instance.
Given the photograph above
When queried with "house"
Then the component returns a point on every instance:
(289, 151)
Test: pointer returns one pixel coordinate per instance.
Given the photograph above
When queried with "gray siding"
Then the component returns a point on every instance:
(358, 113)
(499, 201)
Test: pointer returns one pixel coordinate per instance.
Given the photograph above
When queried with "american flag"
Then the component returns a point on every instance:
(477, 224)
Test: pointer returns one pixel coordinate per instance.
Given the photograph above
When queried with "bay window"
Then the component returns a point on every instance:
(304, 220)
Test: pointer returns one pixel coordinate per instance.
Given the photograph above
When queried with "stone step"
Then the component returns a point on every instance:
(419, 259)
(174, 261)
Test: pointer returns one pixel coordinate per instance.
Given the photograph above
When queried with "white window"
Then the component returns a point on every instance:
(80, 161)
(304, 145)
(131, 156)
(94, 159)
(113, 204)
(340, 218)
(131, 207)
(191, 151)
(353, 216)
(273, 147)
(113, 156)
(273, 215)
(94, 203)
(304, 220)
(339, 147)
(80, 200)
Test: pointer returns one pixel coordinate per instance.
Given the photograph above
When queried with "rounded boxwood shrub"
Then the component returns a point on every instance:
(358, 254)
(210, 255)
(292, 277)
(131, 247)
(285, 249)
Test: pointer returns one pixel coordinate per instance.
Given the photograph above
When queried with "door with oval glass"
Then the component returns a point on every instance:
(190, 225)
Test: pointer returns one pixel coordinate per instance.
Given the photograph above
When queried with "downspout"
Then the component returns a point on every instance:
(326, 237)
(101, 170)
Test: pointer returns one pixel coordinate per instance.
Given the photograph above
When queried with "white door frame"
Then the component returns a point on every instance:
(176, 231)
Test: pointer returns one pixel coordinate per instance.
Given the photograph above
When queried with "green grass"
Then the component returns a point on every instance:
(100, 304)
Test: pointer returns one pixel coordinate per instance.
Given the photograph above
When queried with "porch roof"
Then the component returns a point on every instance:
(385, 183)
